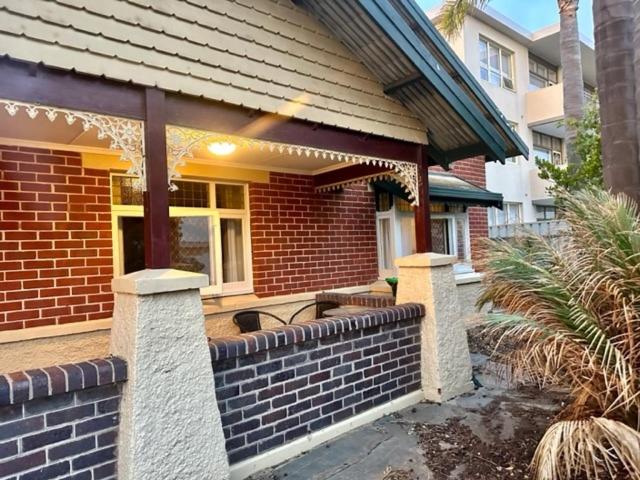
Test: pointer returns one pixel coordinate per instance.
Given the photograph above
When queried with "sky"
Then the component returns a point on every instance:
(534, 14)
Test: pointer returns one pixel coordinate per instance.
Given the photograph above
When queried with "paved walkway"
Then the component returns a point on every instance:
(368, 452)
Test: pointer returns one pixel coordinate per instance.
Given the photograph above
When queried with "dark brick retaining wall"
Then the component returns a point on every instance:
(277, 385)
(61, 421)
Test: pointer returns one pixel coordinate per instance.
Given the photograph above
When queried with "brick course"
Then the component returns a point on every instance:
(303, 240)
(63, 424)
(274, 386)
(55, 239)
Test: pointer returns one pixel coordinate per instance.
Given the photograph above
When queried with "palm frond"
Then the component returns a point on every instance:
(454, 13)
(592, 447)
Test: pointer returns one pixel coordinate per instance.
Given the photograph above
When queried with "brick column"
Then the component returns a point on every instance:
(428, 279)
(170, 424)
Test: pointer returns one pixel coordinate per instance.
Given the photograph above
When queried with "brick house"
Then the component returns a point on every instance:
(125, 145)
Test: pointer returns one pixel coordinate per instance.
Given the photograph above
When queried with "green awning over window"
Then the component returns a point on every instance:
(448, 188)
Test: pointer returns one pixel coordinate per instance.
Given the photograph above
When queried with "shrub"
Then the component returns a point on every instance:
(573, 310)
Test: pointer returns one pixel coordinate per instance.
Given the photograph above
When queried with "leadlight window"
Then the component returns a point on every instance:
(496, 64)
(541, 74)
(209, 226)
(127, 191)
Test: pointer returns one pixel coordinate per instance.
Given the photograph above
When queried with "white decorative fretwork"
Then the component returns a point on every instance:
(124, 134)
(181, 143)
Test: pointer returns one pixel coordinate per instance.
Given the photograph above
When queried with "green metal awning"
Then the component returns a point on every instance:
(448, 188)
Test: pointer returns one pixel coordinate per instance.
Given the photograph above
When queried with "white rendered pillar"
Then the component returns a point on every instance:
(170, 425)
(428, 278)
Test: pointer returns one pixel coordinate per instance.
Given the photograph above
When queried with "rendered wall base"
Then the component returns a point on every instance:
(428, 278)
(170, 424)
(279, 455)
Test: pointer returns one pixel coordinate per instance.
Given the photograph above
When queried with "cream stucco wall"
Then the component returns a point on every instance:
(513, 179)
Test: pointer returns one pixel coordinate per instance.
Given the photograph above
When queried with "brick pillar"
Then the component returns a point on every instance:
(428, 278)
(170, 425)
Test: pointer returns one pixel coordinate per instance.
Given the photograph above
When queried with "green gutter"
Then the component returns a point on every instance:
(454, 195)
(461, 69)
(392, 24)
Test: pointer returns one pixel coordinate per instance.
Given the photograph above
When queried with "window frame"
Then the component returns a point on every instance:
(546, 79)
(493, 214)
(537, 145)
(219, 287)
(500, 70)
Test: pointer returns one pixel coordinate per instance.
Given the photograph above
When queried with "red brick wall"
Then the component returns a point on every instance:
(55, 239)
(305, 241)
(473, 170)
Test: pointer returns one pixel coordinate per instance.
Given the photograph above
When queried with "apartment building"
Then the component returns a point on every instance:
(521, 72)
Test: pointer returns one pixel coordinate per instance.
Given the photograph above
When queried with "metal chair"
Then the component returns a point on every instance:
(321, 307)
(249, 320)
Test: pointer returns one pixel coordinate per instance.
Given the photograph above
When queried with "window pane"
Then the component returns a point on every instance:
(500, 216)
(494, 57)
(132, 244)
(506, 64)
(542, 154)
(229, 196)
(536, 82)
(507, 82)
(386, 255)
(232, 250)
(440, 235)
(461, 237)
(513, 212)
(126, 191)
(190, 244)
(483, 53)
(190, 194)
(495, 78)
(484, 74)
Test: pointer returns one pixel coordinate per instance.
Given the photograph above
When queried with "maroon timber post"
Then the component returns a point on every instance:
(423, 210)
(156, 198)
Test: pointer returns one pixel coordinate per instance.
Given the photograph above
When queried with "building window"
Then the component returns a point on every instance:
(208, 231)
(496, 64)
(546, 147)
(514, 127)
(510, 214)
(544, 213)
(541, 74)
(450, 236)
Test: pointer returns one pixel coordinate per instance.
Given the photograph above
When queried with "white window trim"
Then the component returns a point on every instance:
(388, 215)
(487, 66)
(217, 287)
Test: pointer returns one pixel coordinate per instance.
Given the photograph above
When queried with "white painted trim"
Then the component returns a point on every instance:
(34, 333)
(292, 449)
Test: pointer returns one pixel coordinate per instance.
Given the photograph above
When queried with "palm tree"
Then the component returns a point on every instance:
(571, 308)
(572, 84)
(614, 41)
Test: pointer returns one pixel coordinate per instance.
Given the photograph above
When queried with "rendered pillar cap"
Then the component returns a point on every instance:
(426, 260)
(151, 281)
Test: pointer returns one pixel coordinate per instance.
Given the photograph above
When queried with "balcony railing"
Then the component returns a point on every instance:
(547, 228)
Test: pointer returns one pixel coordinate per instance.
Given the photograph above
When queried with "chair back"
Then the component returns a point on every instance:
(320, 307)
(247, 321)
